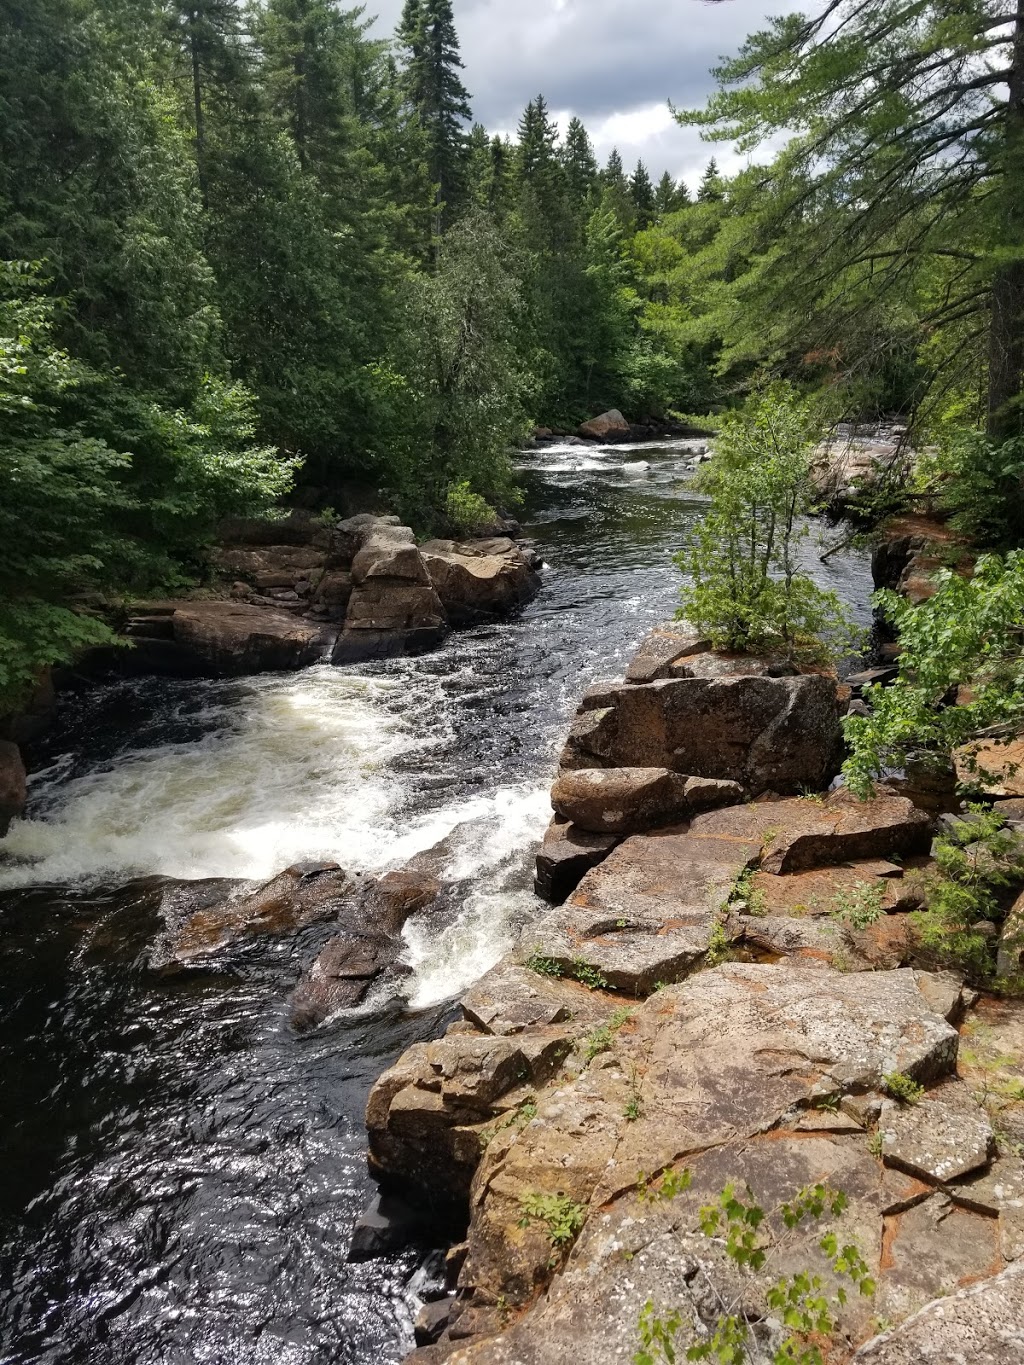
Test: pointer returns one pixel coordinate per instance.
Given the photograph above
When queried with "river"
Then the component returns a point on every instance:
(181, 1173)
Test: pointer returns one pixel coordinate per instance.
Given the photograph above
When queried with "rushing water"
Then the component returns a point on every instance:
(181, 1173)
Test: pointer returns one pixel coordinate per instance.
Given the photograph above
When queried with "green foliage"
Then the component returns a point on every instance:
(100, 488)
(979, 483)
(746, 898)
(562, 1217)
(467, 511)
(967, 634)
(975, 863)
(588, 975)
(602, 1037)
(673, 1183)
(903, 1088)
(544, 966)
(860, 906)
(747, 590)
(800, 1301)
(719, 945)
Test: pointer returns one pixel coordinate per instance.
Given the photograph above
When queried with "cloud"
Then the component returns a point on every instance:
(614, 63)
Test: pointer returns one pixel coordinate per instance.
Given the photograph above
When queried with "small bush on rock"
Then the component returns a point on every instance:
(799, 1301)
(747, 590)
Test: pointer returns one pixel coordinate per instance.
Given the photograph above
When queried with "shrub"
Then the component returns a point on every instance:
(748, 592)
(968, 633)
(903, 1088)
(467, 511)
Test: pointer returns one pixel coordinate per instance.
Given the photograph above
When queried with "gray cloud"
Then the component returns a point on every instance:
(612, 63)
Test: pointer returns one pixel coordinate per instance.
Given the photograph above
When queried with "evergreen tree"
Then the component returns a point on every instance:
(616, 195)
(579, 162)
(710, 189)
(539, 164)
(435, 92)
(670, 197)
(642, 193)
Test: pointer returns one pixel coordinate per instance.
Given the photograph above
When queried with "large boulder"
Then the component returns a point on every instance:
(631, 800)
(269, 566)
(778, 734)
(609, 426)
(13, 788)
(479, 580)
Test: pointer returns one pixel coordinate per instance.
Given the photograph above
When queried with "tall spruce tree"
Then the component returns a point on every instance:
(904, 182)
(435, 92)
(710, 189)
(670, 197)
(641, 191)
(579, 162)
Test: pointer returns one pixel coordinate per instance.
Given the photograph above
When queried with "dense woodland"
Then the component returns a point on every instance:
(250, 244)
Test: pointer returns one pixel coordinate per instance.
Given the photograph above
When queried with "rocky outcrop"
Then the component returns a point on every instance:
(980, 1325)
(566, 856)
(716, 717)
(630, 800)
(479, 580)
(13, 786)
(302, 592)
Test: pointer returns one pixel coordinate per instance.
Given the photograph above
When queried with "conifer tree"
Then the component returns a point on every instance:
(642, 193)
(579, 162)
(435, 91)
(710, 188)
(616, 196)
(670, 197)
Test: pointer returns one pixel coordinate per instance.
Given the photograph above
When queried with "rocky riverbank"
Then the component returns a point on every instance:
(698, 1001)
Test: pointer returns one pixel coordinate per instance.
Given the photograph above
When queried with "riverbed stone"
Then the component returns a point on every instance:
(566, 856)
(230, 639)
(609, 426)
(206, 918)
(620, 800)
(13, 784)
(944, 1137)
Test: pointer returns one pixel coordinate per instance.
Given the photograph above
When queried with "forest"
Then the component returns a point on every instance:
(252, 247)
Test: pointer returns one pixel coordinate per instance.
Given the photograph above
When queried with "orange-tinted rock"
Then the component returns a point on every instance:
(13, 788)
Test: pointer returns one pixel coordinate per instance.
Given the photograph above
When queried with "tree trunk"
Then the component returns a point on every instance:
(197, 99)
(1006, 335)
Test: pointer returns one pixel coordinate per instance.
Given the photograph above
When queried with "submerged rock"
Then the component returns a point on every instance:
(206, 918)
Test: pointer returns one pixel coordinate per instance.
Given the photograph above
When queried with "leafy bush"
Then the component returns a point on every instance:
(467, 511)
(748, 592)
(861, 906)
(562, 1217)
(968, 633)
(976, 861)
(979, 483)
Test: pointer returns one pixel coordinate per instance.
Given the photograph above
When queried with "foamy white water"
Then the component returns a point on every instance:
(299, 772)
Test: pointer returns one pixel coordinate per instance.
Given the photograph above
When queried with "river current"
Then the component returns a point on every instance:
(181, 1174)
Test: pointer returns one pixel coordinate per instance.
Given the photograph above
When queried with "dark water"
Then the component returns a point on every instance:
(181, 1175)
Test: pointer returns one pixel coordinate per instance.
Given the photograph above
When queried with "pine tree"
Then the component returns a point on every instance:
(642, 193)
(616, 196)
(579, 162)
(435, 92)
(539, 165)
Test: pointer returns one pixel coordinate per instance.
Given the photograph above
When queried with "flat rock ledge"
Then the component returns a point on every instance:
(700, 999)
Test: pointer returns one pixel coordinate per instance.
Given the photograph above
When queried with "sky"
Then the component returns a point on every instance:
(614, 63)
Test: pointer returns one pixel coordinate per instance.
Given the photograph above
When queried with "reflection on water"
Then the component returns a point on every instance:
(182, 1174)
